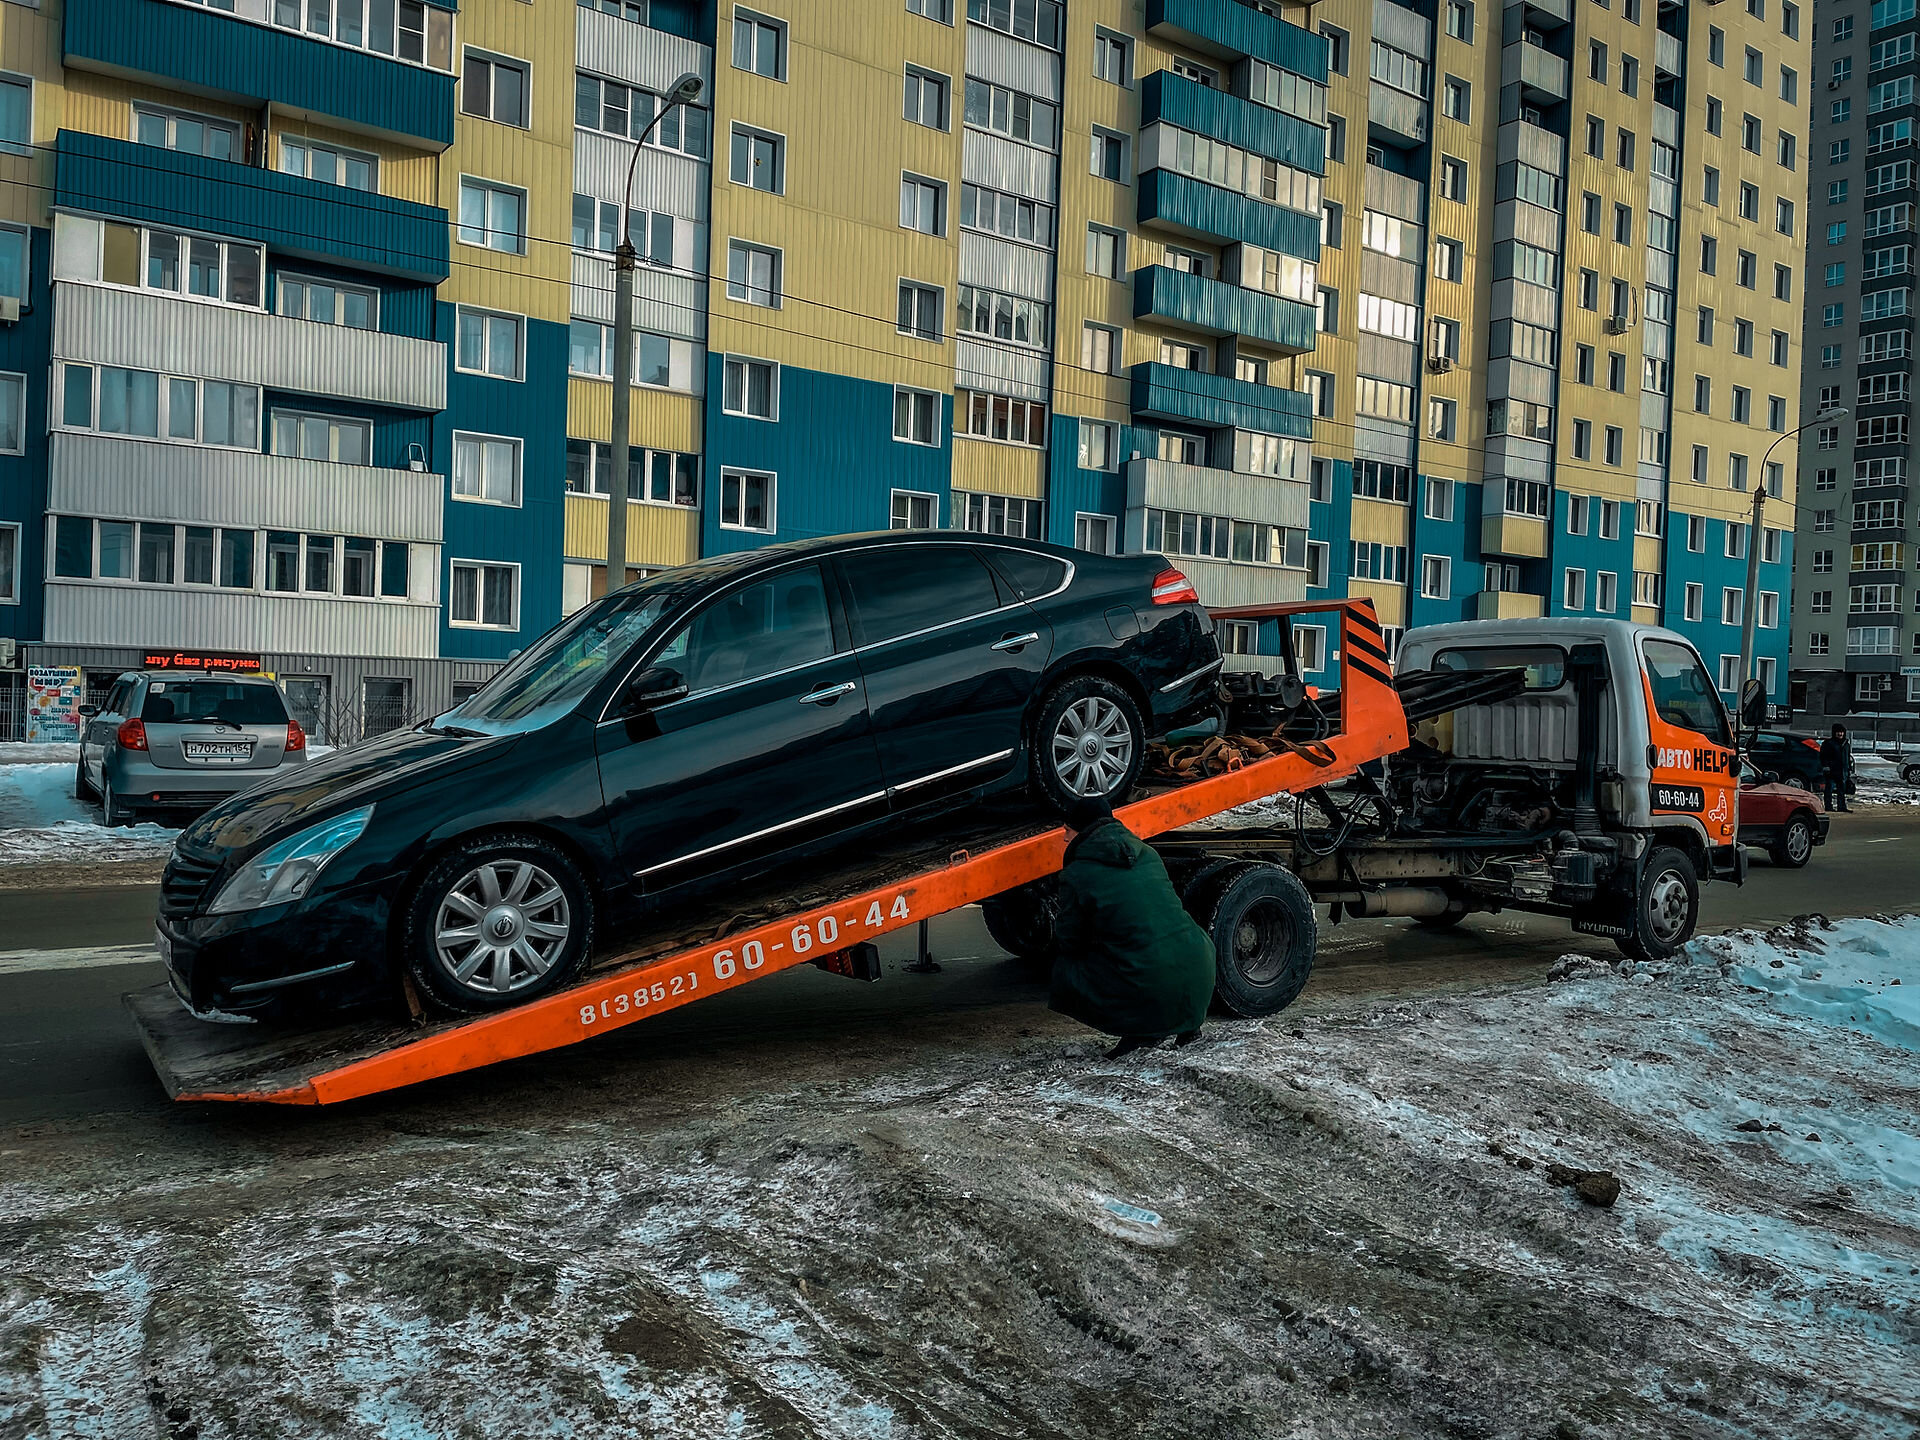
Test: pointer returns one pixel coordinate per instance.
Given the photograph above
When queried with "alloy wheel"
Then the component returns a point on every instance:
(502, 926)
(1799, 842)
(1092, 746)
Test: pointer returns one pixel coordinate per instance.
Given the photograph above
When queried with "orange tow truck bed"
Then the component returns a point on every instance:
(201, 1061)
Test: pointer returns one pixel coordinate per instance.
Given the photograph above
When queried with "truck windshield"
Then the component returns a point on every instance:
(1683, 694)
(1546, 665)
(565, 663)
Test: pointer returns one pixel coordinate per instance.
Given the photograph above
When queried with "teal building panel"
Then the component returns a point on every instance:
(1218, 308)
(1191, 397)
(1193, 207)
(1176, 100)
(1228, 27)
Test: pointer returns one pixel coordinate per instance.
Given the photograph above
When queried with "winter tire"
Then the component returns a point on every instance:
(1666, 905)
(1261, 921)
(1022, 922)
(1088, 742)
(82, 787)
(113, 814)
(1796, 843)
(497, 921)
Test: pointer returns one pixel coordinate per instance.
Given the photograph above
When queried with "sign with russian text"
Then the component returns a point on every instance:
(53, 704)
(197, 660)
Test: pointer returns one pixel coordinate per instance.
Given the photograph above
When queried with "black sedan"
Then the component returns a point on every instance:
(674, 735)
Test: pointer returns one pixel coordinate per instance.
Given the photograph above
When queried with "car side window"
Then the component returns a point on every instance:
(118, 698)
(901, 589)
(1031, 575)
(770, 624)
(1683, 693)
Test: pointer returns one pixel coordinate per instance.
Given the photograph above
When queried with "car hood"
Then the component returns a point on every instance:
(340, 781)
(1785, 789)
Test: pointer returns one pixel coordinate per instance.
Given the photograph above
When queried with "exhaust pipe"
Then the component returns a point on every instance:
(1410, 901)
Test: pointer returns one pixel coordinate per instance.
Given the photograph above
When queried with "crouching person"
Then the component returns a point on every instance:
(1130, 960)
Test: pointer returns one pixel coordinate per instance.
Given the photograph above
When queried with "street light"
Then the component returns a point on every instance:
(1752, 599)
(685, 90)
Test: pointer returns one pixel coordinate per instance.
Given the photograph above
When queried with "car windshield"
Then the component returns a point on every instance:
(552, 676)
(207, 702)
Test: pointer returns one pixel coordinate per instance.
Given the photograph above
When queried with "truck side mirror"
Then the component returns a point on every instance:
(653, 687)
(1753, 705)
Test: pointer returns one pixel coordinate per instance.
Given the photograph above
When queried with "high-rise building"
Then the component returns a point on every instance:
(1855, 653)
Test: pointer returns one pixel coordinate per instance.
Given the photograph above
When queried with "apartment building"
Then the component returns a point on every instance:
(282, 348)
(1855, 653)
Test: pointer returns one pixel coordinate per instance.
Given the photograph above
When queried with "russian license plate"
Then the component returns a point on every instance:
(219, 749)
(163, 946)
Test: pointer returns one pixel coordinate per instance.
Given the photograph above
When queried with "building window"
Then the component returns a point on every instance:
(750, 387)
(1441, 424)
(937, 10)
(753, 274)
(338, 439)
(331, 165)
(923, 205)
(1109, 160)
(484, 596)
(492, 87)
(490, 343)
(1606, 592)
(1106, 252)
(486, 468)
(916, 416)
(926, 98)
(494, 216)
(13, 410)
(759, 44)
(913, 510)
(1447, 257)
(1783, 216)
(143, 404)
(185, 132)
(1583, 439)
(1574, 590)
(1616, 444)
(1011, 216)
(922, 308)
(747, 501)
(996, 316)
(1112, 57)
(999, 417)
(626, 111)
(1100, 349)
(996, 515)
(1436, 577)
(758, 160)
(1099, 446)
(1456, 100)
(1453, 178)
(654, 477)
(1011, 113)
(328, 302)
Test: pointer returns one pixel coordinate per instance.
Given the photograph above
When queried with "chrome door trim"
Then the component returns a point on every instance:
(951, 770)
(829, 694)
(760, 834)
(730, 685)
(1016, 642)
(1192, 675)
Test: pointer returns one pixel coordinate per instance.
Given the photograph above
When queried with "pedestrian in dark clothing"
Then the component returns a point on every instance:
(1131, 960)
(1836, 767)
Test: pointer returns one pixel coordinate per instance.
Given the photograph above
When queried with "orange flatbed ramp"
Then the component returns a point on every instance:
(199, 1060)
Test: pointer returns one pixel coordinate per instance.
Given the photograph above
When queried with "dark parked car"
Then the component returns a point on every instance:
(1791, 757)
(672, 735)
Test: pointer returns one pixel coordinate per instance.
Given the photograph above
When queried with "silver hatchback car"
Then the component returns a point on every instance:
(183, 740)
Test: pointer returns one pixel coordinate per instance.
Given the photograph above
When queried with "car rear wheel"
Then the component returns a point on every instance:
(113, 811)
(1089, 742)
(83, 787)
(1795, 847)
(496, 922)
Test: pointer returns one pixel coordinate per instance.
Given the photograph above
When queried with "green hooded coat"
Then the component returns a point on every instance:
(1131, 960)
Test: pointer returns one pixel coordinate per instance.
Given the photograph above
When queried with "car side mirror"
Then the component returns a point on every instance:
(653, 687)
(89, 711)
(1753, 704)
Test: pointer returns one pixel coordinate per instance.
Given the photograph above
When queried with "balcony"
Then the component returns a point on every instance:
(293, 215)
(114, 613)
(190, 47)
(1229, 30)
(1667, 54)
(1541, 75)
(197, 485)
(145, 330)
(1168, 485)
(1182, 205)
(1548, 14)
(1509, 605)
(1176, 100)
(1523, 537)
(1395, 116)
(1214, 307)
(1189, 397)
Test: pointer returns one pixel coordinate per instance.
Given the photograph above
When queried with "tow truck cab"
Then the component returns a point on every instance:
(1619, 739)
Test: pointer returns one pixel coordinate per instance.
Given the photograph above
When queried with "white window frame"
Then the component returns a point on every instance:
(1606, 591)
(518, 447)
(933, 504)
(1442, 490)
(480, 593)
(759, 21)
(776, 290)
(286, 277)
(339, 152)
(1310, 648)
(940, 203)
(1112, 432)
(333, 424)
(489, 188)
(486, 317)
(11, 596)
(171, 114)
(740, 474)
(21, 147)
(1573, 589)
(918, 289)
(13, 376)
(1106, 45)
(779, 156)
(1107, 527)
(773, 388)
(944, 84)
(163, 406)
(917, 394)
(1442, 591)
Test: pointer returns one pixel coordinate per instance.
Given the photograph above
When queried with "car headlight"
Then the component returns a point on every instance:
(287, 871)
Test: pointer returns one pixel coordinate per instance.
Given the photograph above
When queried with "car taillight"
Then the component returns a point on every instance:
(1170, 587)
(132, 734)
(296, 737)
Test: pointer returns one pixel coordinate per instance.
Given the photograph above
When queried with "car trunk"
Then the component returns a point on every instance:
(215, 725)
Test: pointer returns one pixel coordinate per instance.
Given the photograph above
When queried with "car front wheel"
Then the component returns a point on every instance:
(496, 922)
(1089, 742)
(1796, 844)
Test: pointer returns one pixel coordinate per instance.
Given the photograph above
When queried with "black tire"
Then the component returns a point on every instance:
(1021, 922)
(1106, 721)
(1795, 847)
(1261, 921)
(437, 968)
(114, 814)
(1910, 774)
(1666, 906)
(82, 787)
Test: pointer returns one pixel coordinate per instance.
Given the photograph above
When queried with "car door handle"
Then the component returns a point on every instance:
(827, 694)
(1017, 642)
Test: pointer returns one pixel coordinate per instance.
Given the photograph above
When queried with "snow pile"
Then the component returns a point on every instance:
(41, 822)
(19, 752)
(1863, 975)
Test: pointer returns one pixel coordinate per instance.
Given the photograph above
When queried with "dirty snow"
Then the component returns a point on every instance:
(41, 822)
(1333, 1223)
(19, 752)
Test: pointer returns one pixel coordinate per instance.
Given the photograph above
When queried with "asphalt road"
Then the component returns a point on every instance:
(68, 1051)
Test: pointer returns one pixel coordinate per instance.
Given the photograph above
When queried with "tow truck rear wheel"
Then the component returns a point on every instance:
(1666, 905)
(497, 921)
(1021, 922)
(1261, 921)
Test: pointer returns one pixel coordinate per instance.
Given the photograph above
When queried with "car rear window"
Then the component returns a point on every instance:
(1030, 575)
(181, 702)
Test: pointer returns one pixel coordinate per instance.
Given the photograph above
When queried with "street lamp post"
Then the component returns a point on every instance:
(1752, 599)
(685, 90)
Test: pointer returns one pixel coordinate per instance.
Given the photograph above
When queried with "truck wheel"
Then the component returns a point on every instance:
(1262, 925)
(1088, 740)
(496, 922)
(1796, 844)
(1021, 922)
(1666, 904)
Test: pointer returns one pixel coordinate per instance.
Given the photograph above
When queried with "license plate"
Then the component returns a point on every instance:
(163, 945)
(219, 749)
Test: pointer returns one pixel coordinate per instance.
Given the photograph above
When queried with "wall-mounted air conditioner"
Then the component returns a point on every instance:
(9, 309)
(1440, 364)
(1616, 325)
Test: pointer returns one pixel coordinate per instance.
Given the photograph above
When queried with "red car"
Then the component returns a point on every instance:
(1783, 819)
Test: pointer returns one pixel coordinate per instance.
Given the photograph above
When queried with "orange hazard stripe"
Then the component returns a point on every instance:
(1374, 725)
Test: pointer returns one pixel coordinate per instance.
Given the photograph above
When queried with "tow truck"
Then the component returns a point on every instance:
(1584, 769)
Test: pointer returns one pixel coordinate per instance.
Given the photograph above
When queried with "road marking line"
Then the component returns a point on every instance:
(1888, 840)
(15, 962)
